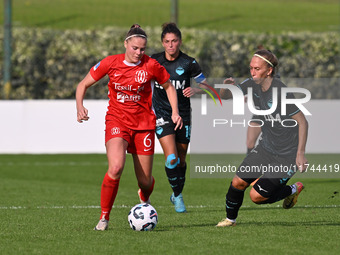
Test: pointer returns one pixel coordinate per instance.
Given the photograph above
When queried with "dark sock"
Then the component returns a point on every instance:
(234, 199)
(174, 180)
(182, 171)
(280, 194)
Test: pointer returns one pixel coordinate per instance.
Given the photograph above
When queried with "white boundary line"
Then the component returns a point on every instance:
(130, 206)
(55, 163)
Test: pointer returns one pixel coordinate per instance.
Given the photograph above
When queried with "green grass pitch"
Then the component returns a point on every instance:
(221, 15)
(50, 203)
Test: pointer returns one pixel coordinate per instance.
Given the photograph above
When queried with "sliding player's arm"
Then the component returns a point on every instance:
(301, 160)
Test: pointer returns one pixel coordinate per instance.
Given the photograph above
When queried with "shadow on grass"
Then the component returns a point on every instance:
(314, 180)
(295, 207)
(271, 222)
(52, 22)
(289, 224)
(251, 223)
(260, 207)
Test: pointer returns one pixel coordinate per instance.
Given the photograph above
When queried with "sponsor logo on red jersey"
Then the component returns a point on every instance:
(122, 87)
(141, 76)
(115, 130)
(122, 97)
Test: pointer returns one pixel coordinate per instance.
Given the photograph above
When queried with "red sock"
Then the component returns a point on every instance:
(108, 195)
(145, 194)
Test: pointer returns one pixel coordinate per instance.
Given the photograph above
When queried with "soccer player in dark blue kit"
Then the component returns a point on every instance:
(282, 146)
(182, 69)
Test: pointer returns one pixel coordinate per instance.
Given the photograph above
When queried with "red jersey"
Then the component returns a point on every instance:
(130, 90)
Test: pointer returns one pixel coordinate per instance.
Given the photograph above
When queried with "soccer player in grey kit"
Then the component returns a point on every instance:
(281, 147)
(182, 68)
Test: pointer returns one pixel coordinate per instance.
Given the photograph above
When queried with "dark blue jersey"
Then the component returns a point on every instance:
(181, 70)
(279, 132)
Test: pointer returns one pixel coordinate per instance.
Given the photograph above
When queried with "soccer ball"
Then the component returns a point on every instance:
(143, 217)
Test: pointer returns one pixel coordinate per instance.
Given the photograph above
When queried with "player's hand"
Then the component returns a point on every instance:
(178, 121)
(301, 162)
(189, 91)
(229, 80)
(225, 93)
(82, 114)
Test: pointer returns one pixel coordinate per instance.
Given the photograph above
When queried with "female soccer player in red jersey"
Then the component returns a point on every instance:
(130, 120)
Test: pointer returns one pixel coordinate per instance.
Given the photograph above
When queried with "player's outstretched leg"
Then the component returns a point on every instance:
(234, 200)
(291, 200)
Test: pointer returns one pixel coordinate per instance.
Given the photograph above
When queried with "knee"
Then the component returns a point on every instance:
(182, 157)
(240, 184)
(171, 161)
(115, 171)
(256, 197)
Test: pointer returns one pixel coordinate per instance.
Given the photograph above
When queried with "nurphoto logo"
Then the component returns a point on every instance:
(238, 100)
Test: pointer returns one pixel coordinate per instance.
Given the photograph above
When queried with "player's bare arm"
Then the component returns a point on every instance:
(190, 91)
(172, 96)
(301, 160)
(82, 112)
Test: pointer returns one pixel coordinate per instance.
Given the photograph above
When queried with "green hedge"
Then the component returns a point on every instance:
(49, 63)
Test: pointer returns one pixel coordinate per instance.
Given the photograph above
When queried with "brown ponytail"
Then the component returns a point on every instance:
(135, 31)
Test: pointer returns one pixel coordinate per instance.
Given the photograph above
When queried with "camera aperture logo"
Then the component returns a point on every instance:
(204, 98)
(213, 90)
